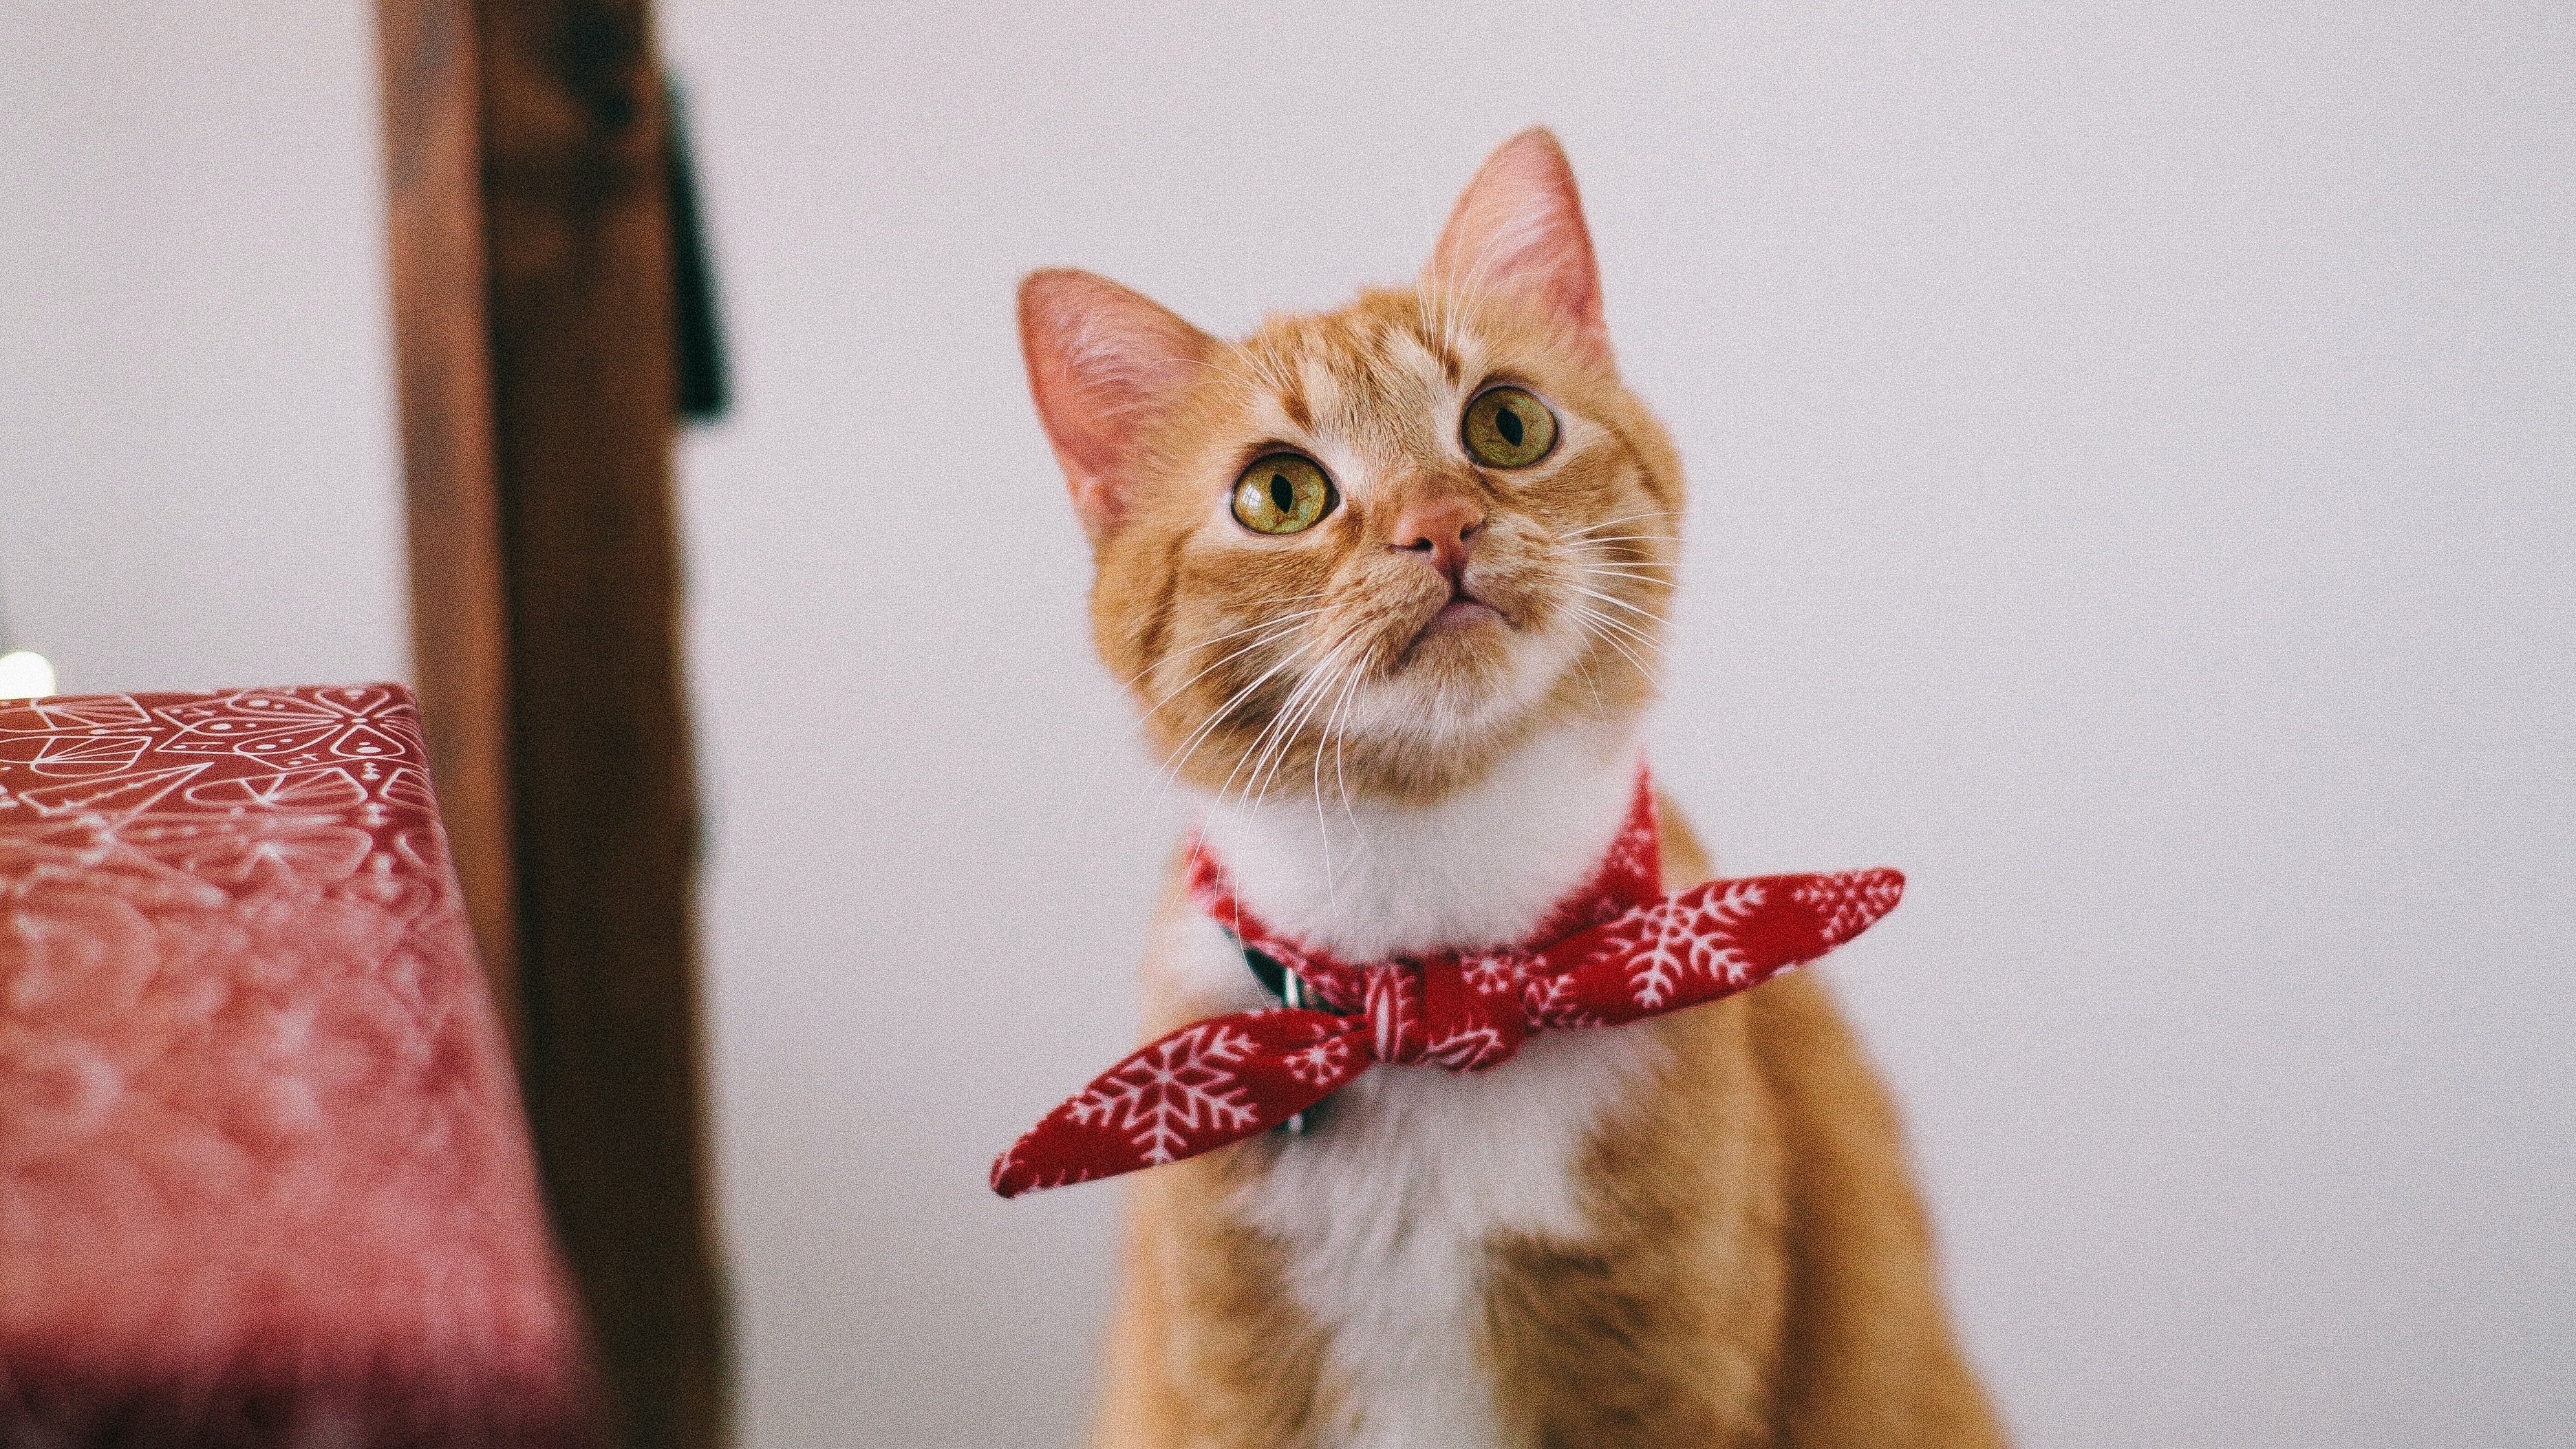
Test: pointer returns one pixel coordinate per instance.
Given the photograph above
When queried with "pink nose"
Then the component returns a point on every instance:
(1442, 528)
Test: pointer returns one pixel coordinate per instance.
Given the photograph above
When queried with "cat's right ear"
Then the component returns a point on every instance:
(1519, 227)
(1104, 365)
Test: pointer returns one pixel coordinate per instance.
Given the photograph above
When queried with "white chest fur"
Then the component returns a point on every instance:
(1386, 1209)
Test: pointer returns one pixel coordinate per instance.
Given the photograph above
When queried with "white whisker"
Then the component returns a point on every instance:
(1592, 528)
(1283, 723)
(1189, 747)
(1621, 603)
(1622, 626)
(1279, 630)
(1327, 675)
(1606, 621)
(1627, 630)
(1131, 681)
(1336, 732)
(1277, 724)
(1631, 571)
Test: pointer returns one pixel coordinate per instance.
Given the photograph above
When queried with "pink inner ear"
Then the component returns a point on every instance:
(1518, 227)
(1104, 364)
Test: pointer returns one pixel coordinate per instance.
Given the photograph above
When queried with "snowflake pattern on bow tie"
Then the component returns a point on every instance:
(1616, 950)
(1180, 1088)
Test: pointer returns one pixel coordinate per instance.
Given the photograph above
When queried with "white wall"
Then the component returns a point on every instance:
(197, 449)
(2133, 465)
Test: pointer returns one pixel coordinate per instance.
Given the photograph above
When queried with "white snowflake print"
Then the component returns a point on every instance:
(1846, 903)
(1669, 944)
(1469, 1049)
(1326, 1061)
(1173, 1091)
(1635, 844)
(1390, 1012)
(1551, 999)
(1491, 973)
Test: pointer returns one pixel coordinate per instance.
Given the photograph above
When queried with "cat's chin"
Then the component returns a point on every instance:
(1470, 678)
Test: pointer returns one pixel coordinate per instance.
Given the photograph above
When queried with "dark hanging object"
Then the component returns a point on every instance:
(705, 391)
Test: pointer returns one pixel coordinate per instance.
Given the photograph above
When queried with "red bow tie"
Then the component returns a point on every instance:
(1615, 951)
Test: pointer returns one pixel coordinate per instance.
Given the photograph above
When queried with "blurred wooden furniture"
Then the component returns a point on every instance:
(531, 260)
(266, 1176)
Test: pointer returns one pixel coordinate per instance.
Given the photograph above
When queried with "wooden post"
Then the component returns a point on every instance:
(561, 481)
(443, 361)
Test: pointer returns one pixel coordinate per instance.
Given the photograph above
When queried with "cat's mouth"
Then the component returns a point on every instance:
(1464, 612)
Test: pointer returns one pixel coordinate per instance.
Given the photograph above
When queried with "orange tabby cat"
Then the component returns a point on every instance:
(1402, 664)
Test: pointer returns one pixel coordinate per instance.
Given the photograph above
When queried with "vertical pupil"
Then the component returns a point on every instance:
(1508, 423)
(1282, 493)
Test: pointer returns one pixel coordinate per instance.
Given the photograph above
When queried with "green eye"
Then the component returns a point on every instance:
(1507, 428)
(1282, 493)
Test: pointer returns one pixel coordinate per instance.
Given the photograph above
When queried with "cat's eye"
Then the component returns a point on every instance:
(1283, 493)
(1507, 428)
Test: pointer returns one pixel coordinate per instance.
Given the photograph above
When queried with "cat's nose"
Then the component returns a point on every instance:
(1442, 528)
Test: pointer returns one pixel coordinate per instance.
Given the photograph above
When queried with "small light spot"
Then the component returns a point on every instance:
(25, 674)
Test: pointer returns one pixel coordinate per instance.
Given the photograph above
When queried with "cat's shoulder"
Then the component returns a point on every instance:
(1686, 861)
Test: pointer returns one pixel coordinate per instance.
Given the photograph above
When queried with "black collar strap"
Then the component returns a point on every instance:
(1274, 977)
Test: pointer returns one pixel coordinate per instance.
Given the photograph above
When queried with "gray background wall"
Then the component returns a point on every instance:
(2133, 453)
(197, 452)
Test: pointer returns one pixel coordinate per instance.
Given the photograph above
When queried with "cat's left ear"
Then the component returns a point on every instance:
(1518, 228)
(1104, 365)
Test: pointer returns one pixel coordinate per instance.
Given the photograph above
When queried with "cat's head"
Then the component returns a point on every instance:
(1370, 550)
